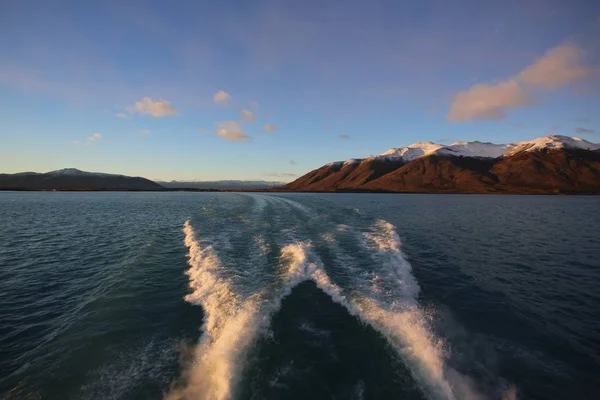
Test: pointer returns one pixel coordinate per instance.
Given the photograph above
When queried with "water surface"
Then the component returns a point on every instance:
(364, 296)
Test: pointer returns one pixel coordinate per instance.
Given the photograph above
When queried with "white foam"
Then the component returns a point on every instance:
(385, 244)
(233, 323)
(293, 204)
(305, 265)
(259, 204)
(386, 299)
(262, 245)
(343, 227)
(328, 237)
(400, 320)
(230, 325)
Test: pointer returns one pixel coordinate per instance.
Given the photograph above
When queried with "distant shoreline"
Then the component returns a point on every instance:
(524, 192)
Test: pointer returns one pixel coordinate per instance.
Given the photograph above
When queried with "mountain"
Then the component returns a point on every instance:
(551, 164)
(220, 185)
(74, 179)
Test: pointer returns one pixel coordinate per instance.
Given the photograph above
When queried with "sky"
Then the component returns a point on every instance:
(251, 89)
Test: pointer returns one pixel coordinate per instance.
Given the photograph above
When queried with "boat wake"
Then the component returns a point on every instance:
(369, 276)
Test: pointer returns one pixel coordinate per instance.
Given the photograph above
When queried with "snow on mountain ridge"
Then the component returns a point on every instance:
(486, 149)
(553, 142)
(474, 149)
(351, 161)
(66, 171)
(75, 171)
(411, 152)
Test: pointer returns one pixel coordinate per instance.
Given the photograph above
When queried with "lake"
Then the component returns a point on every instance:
(268, 296)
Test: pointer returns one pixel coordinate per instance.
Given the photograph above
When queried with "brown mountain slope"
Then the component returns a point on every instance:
(73, 179)
(439, 174)
(327, 176)
(543, 171)
(341, 176)
(565, 170)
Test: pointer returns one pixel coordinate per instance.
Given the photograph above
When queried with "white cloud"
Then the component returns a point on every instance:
(488, 101)
(221, 97)
(145, 132)
(344, 136)
(232, 131)
(269, 128)
(157, 109)
(247, 116)
(94, 136)
(121, 115)
(282, 175)
(560, 66)
(90, 140)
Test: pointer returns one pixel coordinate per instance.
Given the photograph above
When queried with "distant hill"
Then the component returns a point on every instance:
(551, 164)
(220, 185)
(74, 179)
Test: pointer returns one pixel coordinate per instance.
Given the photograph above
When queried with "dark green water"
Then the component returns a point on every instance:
(256, 296)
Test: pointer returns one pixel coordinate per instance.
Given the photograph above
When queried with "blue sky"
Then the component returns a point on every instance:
(157, 88)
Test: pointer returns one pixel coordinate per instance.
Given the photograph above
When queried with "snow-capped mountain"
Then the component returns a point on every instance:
(484, 149)
(553, 142)
(476, 149)
(473, 149)
(411, 152)
(551, 164)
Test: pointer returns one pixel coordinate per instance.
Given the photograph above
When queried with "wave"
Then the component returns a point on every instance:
(383, 295)
(372, 279)
(305, 265)
(130, 369)
(232, 323)
(386, 299)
